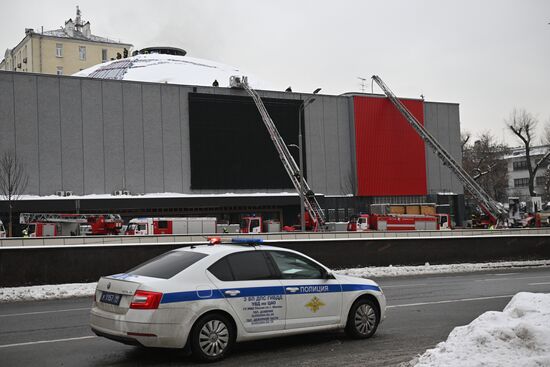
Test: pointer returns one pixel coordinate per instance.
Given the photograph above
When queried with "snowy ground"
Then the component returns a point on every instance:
(58, 291)
(390, 271)
(517, 336)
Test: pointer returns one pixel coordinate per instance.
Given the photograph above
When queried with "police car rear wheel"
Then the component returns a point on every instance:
(363, 319)
(212, 338)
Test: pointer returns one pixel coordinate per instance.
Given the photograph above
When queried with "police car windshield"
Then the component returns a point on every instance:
(167, 265)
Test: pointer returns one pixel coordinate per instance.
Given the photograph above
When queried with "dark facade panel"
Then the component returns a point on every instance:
(230, 146)
(72, 156)
(390, 154)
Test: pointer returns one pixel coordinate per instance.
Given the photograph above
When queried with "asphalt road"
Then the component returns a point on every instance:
(422, 311)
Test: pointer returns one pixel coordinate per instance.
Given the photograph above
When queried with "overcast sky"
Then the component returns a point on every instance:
(488, 56)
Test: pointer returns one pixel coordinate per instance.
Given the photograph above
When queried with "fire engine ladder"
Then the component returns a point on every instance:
(26, 218)
(490, 206)
(311, 204)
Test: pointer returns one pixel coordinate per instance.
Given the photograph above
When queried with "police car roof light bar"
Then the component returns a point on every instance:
(247, 241)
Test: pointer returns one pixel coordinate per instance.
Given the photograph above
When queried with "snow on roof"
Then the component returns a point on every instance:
(160, 68)
(159, 195)
(520, 151)
(61, 33)
(517, 336)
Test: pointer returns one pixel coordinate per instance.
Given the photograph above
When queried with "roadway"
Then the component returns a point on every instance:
(422, 311)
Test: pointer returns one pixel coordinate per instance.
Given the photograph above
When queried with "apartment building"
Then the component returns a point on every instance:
(63, 51)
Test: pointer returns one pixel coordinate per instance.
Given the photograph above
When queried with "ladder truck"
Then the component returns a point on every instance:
(494, 210)
(54, 224)
(310, 202)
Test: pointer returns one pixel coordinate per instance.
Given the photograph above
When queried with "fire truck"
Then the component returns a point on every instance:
(255, 224)
(398, 222)
(176, 225)
(54, 225)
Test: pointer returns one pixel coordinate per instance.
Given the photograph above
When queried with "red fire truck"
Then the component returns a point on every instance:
(398, 222)
(176, 225)
(53, 224)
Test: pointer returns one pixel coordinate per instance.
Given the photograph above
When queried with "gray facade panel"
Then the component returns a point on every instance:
(72, 156)
(93, 137)
(315, 147)
(332, 158)
(26, 128)
(7, 113)
(152, 133)
(442, 121)
(172, 150)
(113, 117)
(184, 137)
(133, 138)
(49, 135)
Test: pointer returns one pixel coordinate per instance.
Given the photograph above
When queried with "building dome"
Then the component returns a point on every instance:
(167, 68)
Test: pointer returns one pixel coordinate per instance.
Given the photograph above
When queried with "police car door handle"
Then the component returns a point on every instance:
(232, 292)
(292, 289)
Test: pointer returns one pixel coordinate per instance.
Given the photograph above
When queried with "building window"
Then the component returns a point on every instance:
(520, 165)
(540, 181)
(104, 55)
(59, 70)
(59, 50)
(521, 182)
(82, 52)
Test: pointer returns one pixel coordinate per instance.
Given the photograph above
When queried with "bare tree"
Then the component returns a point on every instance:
(523, 124)
(13, 181)
(464, 139)
(484, 161)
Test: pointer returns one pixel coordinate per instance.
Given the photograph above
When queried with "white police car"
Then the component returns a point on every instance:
(210, 296)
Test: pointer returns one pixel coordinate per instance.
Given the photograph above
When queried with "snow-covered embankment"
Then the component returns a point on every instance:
(517, 336)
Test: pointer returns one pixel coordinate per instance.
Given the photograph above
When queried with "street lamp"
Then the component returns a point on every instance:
(303, 105)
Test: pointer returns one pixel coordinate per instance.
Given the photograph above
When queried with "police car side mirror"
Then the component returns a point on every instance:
(327, 274)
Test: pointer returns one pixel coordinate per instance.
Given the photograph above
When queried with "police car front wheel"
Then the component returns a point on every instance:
(212, 337)
(363, 319)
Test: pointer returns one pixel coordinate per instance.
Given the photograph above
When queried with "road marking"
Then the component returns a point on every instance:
(493, 279)
(403, 285)
(547, 283)
(44, 312)
(502, 274)
(449, 301)
(47, 341)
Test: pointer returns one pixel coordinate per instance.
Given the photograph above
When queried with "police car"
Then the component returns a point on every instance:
(207, 297)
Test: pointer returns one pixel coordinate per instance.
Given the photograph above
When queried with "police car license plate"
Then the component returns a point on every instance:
(111, 298)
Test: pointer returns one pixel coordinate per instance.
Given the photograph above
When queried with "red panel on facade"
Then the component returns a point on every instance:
(390, 155)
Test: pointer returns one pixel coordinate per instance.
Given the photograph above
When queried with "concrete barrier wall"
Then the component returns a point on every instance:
(86, 263)
(107, 240)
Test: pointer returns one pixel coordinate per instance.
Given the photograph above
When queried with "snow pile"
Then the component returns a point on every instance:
(41, 292)
(517, 336)
(391, 271)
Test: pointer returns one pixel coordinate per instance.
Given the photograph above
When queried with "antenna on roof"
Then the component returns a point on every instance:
(78, 20)
(363, 83)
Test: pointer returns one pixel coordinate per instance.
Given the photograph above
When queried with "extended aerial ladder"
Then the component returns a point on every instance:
(491, 207)
(26, 218)
(310, 202)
